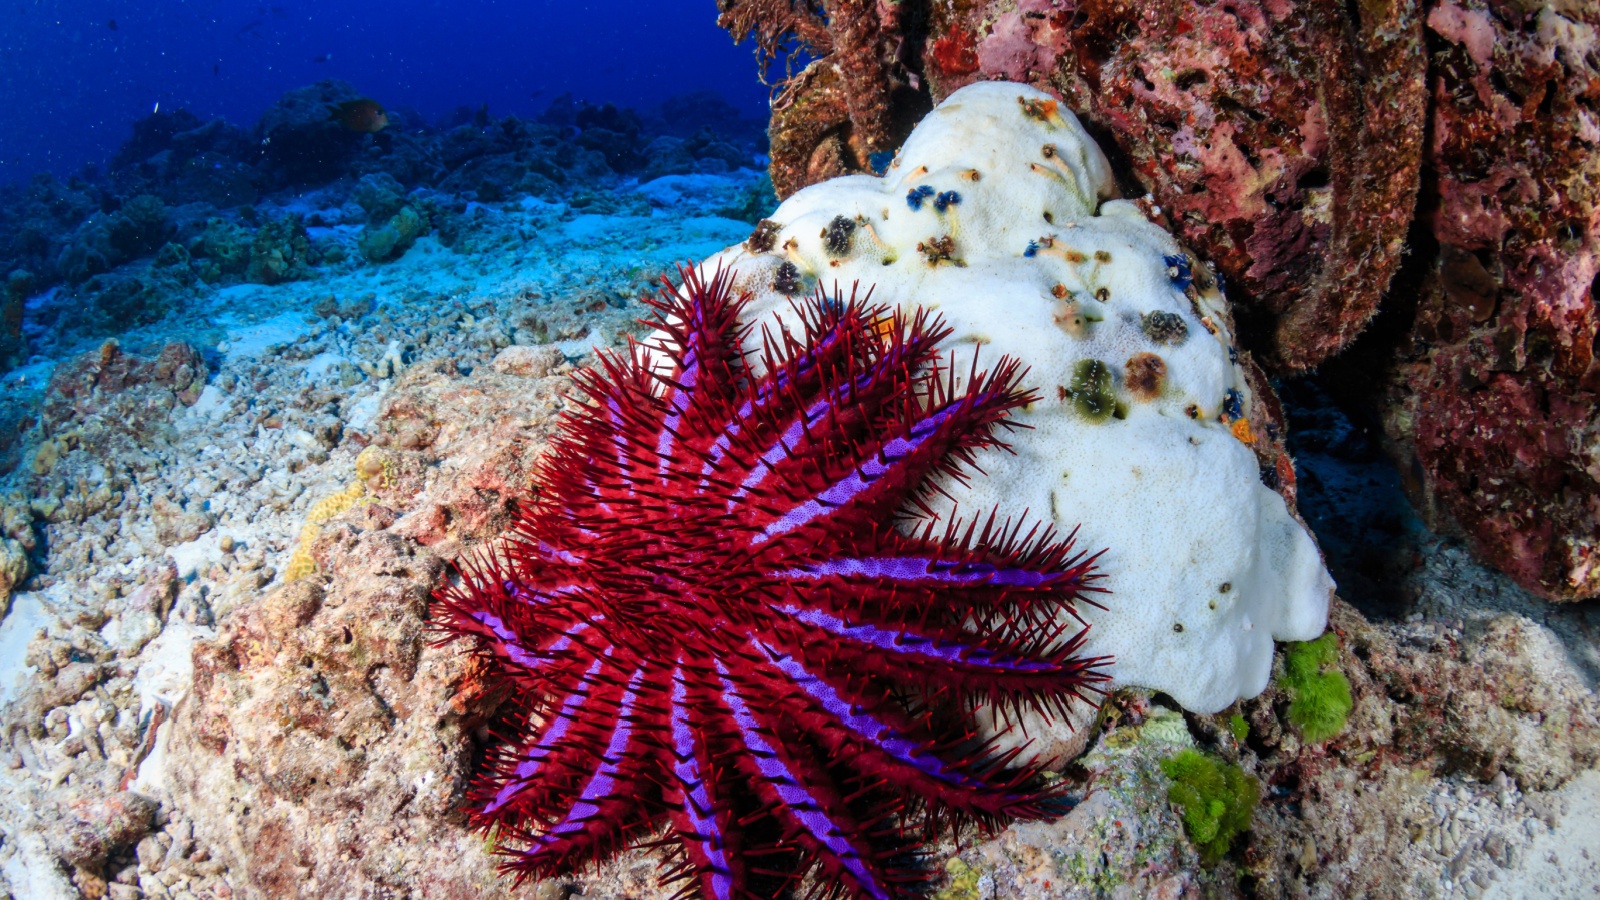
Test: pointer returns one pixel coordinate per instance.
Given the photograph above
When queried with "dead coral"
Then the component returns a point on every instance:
(857, 97)
(775, 24)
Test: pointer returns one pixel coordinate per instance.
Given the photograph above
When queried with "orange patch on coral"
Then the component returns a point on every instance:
(1285, 471)
(1145, 374)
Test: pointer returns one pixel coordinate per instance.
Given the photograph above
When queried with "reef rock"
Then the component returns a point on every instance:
(379, 243)
(328, 743)
(300, 136)
(1280, 140)
(999, 216)
(1493, 385)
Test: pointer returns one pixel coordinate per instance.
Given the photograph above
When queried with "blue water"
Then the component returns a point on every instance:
(75, 74)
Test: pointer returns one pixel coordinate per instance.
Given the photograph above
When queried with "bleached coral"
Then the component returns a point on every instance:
(999, 215)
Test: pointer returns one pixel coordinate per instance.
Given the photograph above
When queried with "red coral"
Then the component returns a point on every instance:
(956, 53)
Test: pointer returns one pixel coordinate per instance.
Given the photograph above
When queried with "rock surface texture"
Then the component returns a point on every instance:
(1434, 159)
(1494, 388)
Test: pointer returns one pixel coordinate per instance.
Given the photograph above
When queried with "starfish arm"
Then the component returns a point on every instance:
(849, 397)
(877, 736)
(606, 444)
(843, 382)
(524, 778)
(924, 659)
(850, 484)
(530, 646)
(702, 819)
(811, 808)
(705, 343)
(614, 802)
(834, 336)
(906, 581)
(1046, 674)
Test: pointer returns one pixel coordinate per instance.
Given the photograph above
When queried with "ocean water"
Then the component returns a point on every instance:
(157, 154)
(76, 74)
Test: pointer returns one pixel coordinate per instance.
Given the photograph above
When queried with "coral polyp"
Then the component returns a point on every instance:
(728, 611)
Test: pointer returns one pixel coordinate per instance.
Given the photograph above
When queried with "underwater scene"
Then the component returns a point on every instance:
(758, 449)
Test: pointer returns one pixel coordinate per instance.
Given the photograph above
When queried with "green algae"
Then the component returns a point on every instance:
(1217, 800)
(1238, 727)
(1319, 694)
(963, 884)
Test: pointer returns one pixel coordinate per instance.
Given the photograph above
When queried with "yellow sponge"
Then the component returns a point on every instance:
(300, 562)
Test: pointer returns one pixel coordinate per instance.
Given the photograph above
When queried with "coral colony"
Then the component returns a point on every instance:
(1148, 437)
(709, 618)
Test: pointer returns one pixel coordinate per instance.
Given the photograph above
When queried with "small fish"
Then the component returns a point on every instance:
(157, 108)
(324, 58)
(111, 24)
(216, 69)
(364, 116)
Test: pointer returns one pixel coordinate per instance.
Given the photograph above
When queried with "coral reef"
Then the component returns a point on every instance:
(105, 241)
(1286, 143)
(379, 243)
(186, 204)
(1268, 134)
(1493, 386)
(855, 101)
(159, 494)
(280, 250)
(183, 160)
(301, 138)
(322, 744)
(999, 213)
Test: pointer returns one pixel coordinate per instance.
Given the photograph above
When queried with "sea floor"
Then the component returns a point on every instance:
(160, 640)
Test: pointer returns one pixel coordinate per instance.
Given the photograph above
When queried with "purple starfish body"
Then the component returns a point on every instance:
(711, 623)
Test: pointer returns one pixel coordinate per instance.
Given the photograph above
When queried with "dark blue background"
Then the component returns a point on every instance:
(70, 86)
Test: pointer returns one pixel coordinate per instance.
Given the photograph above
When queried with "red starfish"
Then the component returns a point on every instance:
(710, 620)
